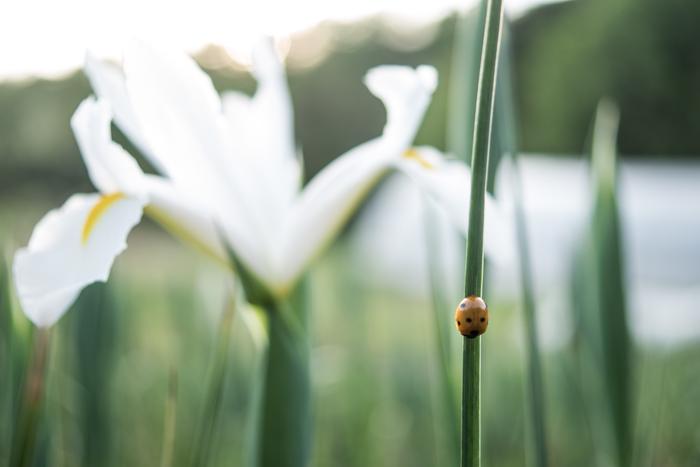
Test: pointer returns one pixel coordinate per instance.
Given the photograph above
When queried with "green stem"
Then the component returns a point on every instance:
(169, 423)
(284, 438)
(442, 347)
(535, 385)
(23, 446)
(471, 354)
(215, 390)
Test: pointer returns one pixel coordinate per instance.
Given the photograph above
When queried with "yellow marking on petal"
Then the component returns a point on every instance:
(97, 212)
(415, 155)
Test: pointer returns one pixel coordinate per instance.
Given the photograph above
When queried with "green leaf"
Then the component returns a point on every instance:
(600, 302)
(610, 280)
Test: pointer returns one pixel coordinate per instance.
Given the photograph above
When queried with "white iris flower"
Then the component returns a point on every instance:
(230, 175)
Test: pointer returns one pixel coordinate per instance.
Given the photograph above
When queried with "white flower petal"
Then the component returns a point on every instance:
(110, 167)
(406, 93)
(326, 203)
(181, 117)
(109, 84)
(272, 113)
(262, 130)
(71, 247)
(449, 183)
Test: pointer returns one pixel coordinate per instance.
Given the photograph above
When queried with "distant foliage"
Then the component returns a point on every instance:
(644, 54)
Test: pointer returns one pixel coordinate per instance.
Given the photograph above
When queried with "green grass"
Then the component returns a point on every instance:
(371, 376)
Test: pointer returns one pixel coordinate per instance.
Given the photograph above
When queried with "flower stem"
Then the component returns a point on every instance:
(471, 353)
(284, 437)
(32, 398)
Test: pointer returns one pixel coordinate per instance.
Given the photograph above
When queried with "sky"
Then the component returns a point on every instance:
(49, 38)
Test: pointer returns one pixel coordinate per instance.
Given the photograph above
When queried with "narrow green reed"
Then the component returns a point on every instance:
(506, 140)
(215, 387)
(471, 354)
(442, 327)
(30, 408)
(6, 363)
(464, 77)
(169, 421)
(610, 284)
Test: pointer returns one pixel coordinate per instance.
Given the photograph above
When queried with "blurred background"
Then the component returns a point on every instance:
(374, 363)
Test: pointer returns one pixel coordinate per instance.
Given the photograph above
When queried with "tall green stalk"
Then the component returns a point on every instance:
(610, 282)
(506, 141)
(448, 401)
(284, 438)
(464, 77)
(600, 305)
(169, 422)
(471, 353)
(536, 412)
(6, 364)
(26, 433)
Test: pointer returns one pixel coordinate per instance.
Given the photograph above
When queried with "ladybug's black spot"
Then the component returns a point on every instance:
(458, 323)
(469, 320)
(483, 319)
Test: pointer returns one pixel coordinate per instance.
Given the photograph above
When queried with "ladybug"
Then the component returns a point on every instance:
(472, 317)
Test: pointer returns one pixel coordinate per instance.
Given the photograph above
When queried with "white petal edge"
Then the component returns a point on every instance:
(55, 266)
(406, 93)
(108, 83)
(110, 167)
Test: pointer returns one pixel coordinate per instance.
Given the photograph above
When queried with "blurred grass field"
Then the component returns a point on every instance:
(374, 375)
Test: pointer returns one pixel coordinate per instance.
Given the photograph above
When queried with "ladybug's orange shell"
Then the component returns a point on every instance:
(472, 317)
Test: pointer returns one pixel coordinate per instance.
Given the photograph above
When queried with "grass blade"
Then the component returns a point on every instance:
(471, 354)
(505, 142)
(464, 76)
(610, 280)
(28, 420)
(6, 364)
(448, 399)
(215, 388)
(170, 421)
